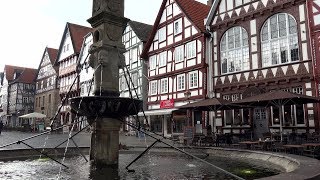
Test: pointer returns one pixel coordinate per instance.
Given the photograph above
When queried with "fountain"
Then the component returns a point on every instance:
(106, 56)
(104, 112)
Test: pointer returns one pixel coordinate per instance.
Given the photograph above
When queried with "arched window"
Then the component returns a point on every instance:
(279, 40)
(234, 50)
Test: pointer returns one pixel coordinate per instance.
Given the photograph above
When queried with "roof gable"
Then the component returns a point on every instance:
(195, 11)
(142, 30)
(47, 63)
(73, 35)
(25, 75)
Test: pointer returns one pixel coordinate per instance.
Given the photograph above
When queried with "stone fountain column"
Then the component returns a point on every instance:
(106, 55)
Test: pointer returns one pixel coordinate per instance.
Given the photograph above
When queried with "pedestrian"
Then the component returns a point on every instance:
(1, 126)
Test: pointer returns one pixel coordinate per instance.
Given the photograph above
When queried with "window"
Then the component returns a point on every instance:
(178, 54)
(193, 79)
(279, 40)
(153, 62)
(181, 82)
(43, 99)
(163, 59)
(234, 50)
(191, 49)
(25, 100)
(134, 55)
(164, 85)
(178, 27)
(162, 34)
(153, 89)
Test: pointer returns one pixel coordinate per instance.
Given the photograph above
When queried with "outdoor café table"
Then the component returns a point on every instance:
(310, 147)
(310, 144)
(249, 143)
(294, 148)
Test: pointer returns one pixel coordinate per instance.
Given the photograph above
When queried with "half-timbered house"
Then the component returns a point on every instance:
(86, 74)
(135, 72)
(175, 53)
(259, 46)
(20, 88)
(1, 95)
(67, 60)
(47, 93)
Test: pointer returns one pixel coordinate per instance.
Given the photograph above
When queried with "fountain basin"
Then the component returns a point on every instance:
(157, 163)
(105, 106)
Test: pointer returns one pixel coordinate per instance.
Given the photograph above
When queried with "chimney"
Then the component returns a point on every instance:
(209, 2)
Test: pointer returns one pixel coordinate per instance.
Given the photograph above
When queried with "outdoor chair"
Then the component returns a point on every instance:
(195, 141)
(235, 142)
(208, 141)
(277, 147)
(313, 152)
(175, 138)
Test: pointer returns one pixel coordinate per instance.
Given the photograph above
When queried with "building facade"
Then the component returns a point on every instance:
(1, 99)
(256, 47)
(86, 74)
(19, 87)
(135, 70)
(47, 93)
(67, 61)
(177, 73)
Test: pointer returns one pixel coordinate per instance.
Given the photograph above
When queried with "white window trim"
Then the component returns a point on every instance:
(197, 79)
(184, 82)
(162, 33)
(163, 59)
(153, 62)
(151, 87)
(191, 45)
(164, 82)
(177, 54)
(179, 21)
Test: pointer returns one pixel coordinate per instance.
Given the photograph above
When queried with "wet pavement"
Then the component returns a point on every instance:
(52, 140)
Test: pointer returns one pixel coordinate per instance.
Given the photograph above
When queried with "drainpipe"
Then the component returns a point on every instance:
(210, 74)
(314, 65)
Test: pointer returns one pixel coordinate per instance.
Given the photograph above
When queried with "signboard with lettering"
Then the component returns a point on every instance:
(166, 104)
(188, 134)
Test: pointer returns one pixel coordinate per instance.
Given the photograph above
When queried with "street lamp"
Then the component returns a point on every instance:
(187, 95)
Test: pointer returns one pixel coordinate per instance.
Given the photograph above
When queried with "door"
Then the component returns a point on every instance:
(260, 122)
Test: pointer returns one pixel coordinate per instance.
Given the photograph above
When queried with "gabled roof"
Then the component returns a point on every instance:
(27, 75)
(194, 10)
(77, 32)
(142, 30)
(53, 53)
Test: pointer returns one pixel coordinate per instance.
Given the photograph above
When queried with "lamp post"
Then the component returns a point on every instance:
(187, 95)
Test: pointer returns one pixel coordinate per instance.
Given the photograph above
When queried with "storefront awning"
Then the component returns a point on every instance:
(157, 112)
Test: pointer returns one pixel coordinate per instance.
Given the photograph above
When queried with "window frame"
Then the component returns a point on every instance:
(273, 47)
(179, 24)
(179, 52)
(153, 62)
(162, 34)
(164, 85)
(163, 59)
(191, 49)
(193, 80)
(181, 85)
(234, 50)
(153, 87)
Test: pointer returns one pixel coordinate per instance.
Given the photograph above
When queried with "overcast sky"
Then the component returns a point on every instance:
(28, 26)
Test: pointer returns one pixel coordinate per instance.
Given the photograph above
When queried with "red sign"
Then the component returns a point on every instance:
(165, 104)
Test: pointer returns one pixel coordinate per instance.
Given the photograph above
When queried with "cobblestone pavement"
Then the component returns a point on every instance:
(51, 140)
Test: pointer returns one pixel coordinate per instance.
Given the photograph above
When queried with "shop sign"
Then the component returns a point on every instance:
(167, 104)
